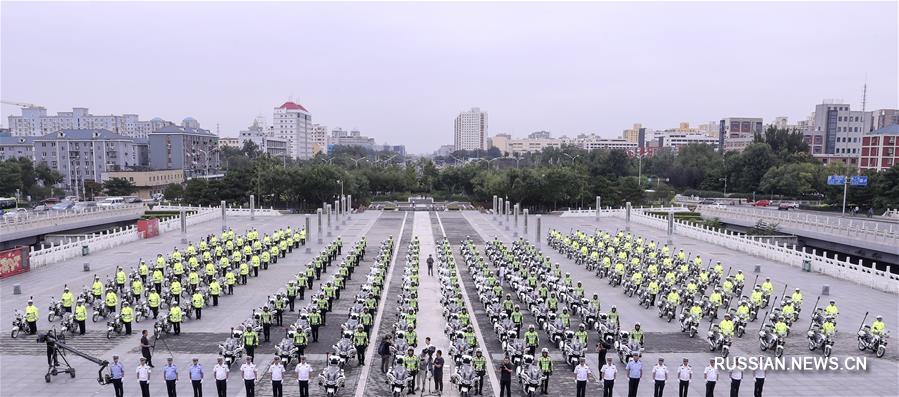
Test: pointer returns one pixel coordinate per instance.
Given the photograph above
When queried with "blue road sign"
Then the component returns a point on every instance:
(836, 180)
(858, 180)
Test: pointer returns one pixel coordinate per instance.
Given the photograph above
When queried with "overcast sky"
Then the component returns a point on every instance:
(400, 72)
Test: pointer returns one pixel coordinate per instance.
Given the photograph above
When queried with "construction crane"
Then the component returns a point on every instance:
(20, 104)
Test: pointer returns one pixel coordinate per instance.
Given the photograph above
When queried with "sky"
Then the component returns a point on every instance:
(401, 72)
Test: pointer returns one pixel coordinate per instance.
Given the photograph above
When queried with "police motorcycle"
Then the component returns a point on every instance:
(667, 310)
(514, 348)
(739, 324)
(465, 377)
(141, 310)
(556, 331)
(868, 340)
(529, 376)
(232, 348)
(18, 324)
(399, 378)
(689, 323)
(344, 349)
(768, 339)
(350, 324)
(647, 298)
(68, 324)
(573, 350)
(718, 341)
(100, 311)
(589, 314)
(818, 339)
(626, 347)
(162, 325)
(114, 324)
(55, 310)
(302, 324)
(286, 350)
(332, 378)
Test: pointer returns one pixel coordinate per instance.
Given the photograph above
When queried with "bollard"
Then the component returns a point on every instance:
(343, 203)
(508, 210)
(319, 234)
(349, 204)
(308, 235)
(670, 226)
(598, 206)
(515, 212)
(500, 202)
(525, 222)
(337, 214)
(86, 266)
(252, 207)
(17, 289)
(224, 216)
(757, 269)
(537, 237)
(328, 209)
(825, 290)
(494, 206)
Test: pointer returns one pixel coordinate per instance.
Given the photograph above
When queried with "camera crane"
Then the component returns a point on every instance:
(56, 349)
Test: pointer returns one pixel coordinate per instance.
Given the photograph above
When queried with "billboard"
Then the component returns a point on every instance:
(14, 261)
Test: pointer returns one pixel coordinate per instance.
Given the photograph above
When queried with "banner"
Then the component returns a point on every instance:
(147, 228)
(14, 261)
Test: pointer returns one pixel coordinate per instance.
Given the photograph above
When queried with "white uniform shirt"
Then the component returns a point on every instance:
(609, 371)
(736, 374)
(220, 371)
(711, 374)
(303, 371)
(277, 371)
(684, 372)
(660, 372)
(759, 373)
(143, 372)
(581, 372)
(249, 371)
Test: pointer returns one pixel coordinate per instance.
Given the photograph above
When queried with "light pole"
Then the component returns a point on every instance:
(725, 185)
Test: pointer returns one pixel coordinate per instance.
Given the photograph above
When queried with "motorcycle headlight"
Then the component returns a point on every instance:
(761, 333)
(861, 333)
(711, 334)
(811, 333)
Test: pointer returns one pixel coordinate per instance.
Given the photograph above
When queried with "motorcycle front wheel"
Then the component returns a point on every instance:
(861, 345)
(692, 333)
(15, 333)
(95, 318)
(109, 334)
(880, 351)
(779, 352)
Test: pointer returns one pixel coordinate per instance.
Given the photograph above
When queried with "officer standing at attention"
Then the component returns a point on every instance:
(545, 363)
(80, 315)
(117, 372)
(31, 314)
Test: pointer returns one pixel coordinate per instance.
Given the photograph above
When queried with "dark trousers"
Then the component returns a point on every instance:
(198, 387)
(215, 300)
(658, 388)
(581, 388)
(682, 388)
(290, 301)
(266, 331)
(438, 380)
(759, 385)
(250, 386)
(251, 350)
(709, 389)
(430, 270)
(177, 327)
(117, 387)
(145, 352)
(607, 386)
(385, 362)
(545, 384)
(144, 388)
(80, 327)
(360, 354)
(277, 391)
(155, 311)
(304, 388)
(221, 386)
(734, 387)
(127, 328)
(170, 388)
(32, 327)
(199, 312)
(632, 385)
(314, 333)
(505, 387)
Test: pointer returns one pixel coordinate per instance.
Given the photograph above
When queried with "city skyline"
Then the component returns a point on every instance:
(397, 71)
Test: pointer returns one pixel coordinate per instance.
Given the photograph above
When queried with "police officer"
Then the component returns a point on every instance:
(31, 314)
(360, 340)
(215, 289)
(67, 300)
(300, 340)
(266, 318)
(250, 341)
(545, 363)
(531, 339)
(479, 362)
(291, 293)
(153, 300)
(80, 315)
(198, 302)
(175, 315)
(314, 322)
(127, 316)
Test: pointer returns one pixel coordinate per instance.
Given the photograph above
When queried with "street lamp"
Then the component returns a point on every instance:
(571, 157)
(725, 185)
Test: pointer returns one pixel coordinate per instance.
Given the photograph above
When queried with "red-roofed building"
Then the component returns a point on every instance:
(293, 123)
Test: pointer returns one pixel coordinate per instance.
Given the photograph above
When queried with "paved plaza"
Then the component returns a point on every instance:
(23, 361)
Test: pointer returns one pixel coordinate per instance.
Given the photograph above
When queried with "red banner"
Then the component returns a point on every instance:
(14, 261)
(148, 228)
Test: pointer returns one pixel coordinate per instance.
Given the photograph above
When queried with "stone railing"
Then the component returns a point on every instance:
(845, 270)
(42, 222)
(231, 211)
(609, 211)
(53, 253)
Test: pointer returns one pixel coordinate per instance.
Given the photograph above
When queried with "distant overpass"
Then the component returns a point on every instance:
(870, 238)
(23, 231)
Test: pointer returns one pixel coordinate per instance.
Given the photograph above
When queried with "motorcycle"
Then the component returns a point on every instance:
(768, 339)
(18, 324)
(114, 325)
(55, 310)
(718, 341)
(666, 310)
(869, 341)
(817, 339)
(68, 323)
(231, 351)
(162, 325)
(690, 325)
(286, 350)
(100, 311)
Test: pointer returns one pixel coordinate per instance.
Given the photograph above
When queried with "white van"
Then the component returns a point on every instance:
(110, 202)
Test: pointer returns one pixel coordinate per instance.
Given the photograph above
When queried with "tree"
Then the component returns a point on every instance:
(119, 187)
(173, 191)
(91, 188)
(887, 189)
(796, 179)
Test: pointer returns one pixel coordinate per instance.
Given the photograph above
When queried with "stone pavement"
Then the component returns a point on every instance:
(20, 360)
(665, 340)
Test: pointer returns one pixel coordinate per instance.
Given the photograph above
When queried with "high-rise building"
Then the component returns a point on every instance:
(319, 139)
(471, 130)
(632, 134)
(739, 132)
(835, 133)
(882, 118)
(263, 139)
(340, 137)
(293, 123)
(35, 121)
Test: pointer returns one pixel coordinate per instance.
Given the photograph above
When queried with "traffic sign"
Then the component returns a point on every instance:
(859, 180)
(836, 180)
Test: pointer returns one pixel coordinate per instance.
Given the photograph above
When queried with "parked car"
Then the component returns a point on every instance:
(41, 207)
(50, 201)
(63, 206)
(784, 206)
(111, 202)
(761, 203)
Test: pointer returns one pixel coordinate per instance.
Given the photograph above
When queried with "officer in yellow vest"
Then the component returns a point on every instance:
(127, 316)
(215, 289)
(250, 341)
(545, 363)
(198, 302)
(175, 315)
(67, 300)
(360, 340)
(80, 315)
(153, 300)
(31, 314)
